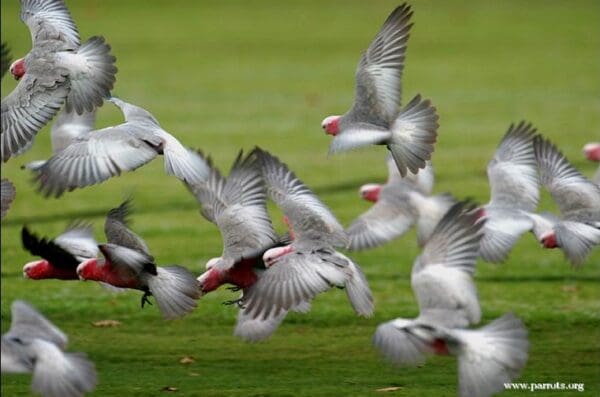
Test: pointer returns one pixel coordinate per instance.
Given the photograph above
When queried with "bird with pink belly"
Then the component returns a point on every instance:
(61, 255)
(298, 272)
(127, 263)
(58, 70)
(442, 281)
(237, 206)
(578, 199)
(375, 117)
(399, 203)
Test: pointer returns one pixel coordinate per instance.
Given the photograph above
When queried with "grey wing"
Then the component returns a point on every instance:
(576, 239)
(257, 329)
(398, 344)
(455, 240)
(573, 192)
(423, 180)
(512, 172)
(502, 229)
(447, 296)
(7, 195)
(49, 20)
(292, 281)
(94, 158)
(5, 59)
(69, 126)
(238, 207)
(59, 374)
(379, 72)
(27, 324)
(78, 239)
(387, 219)
(29, 107)
(127, 262)
(310, 219)
(116, 229)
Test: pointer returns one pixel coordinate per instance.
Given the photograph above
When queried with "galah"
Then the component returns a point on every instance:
(128, 263)
(98, 155)
(57, 71)
(515, 192)
(578, 199)
(66, 128)
(60, 256)
(7, 196)
(237, 206)
(375, 117)
(399, 203)
(447, 297)
(310, 265)
(34, 345)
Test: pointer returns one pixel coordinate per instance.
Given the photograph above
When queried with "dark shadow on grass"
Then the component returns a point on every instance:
(163, 208)
(541, 278)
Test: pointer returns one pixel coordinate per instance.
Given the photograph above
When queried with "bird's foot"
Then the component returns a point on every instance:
(145, 299)
(234, 289)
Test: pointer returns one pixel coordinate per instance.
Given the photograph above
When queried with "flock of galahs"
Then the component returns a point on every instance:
(277, 273)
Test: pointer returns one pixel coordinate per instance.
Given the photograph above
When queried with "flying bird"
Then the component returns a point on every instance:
(34, 345)
(7, 196)
(375, 117)
(399, 203)
(515, 192)
(58, 71)
(237, 205)
(128, 263)
(95, 156)
(447, 297)
(578, 199)
(61, 255)
(310, 265)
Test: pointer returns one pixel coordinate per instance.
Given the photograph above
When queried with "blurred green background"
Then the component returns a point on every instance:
(225, 75)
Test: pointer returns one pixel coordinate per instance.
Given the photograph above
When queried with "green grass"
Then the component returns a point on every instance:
(228, 75)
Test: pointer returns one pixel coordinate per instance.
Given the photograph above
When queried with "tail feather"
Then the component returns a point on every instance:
(91, 86)
(358, 291)
(253, 329)
(184, 163)
(492, 356)
(176, 291)
(414, 134)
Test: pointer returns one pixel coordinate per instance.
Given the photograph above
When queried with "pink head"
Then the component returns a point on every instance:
(89, 270)
(42, 269)
(548, 239)
(592, 151)
(370, 192)
(17, 68)
(209, 280)
(270, 257)
(331, 125)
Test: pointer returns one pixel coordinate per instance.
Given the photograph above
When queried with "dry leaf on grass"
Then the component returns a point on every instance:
(107, 323)
(187, 360)
(392, 388)
(169, 388)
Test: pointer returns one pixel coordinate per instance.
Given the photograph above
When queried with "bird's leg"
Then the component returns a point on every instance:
(145, 298)
(234, 288)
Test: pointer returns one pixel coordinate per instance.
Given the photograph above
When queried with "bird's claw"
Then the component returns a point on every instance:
(234, 289)
(237, 302)
(145, 299)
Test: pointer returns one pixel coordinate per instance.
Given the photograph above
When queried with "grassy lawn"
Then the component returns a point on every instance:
(228, 75)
